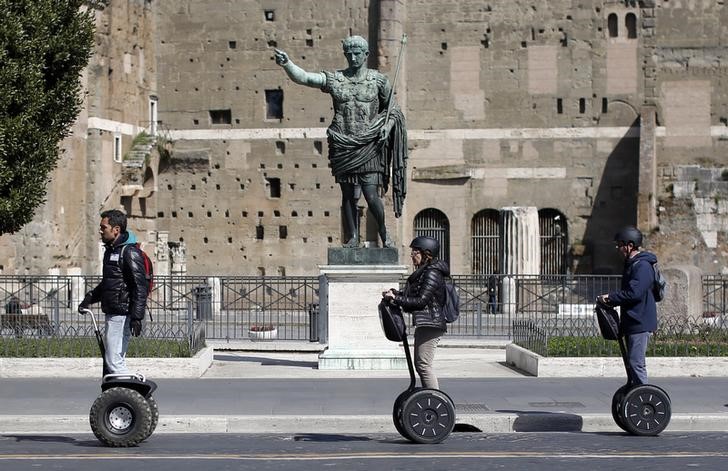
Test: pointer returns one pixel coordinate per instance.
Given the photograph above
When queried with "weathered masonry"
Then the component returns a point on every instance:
(593, 114)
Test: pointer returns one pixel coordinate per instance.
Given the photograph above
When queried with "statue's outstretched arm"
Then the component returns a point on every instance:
(297, 74)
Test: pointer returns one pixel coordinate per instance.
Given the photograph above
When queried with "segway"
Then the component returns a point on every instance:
(421, 415)
(638, 409)
(125, 413)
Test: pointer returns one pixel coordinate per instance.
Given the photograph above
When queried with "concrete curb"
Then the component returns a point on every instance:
(193, 367)
(583, 367)
(361, 424)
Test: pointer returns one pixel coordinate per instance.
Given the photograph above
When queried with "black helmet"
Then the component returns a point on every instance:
(426, 244)
(629, 234)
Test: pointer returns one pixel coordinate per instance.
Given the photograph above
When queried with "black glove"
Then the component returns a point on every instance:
(136, 327)
(84, 304)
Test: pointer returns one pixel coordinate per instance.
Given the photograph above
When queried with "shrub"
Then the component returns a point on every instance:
(85, 347)
(44, 47)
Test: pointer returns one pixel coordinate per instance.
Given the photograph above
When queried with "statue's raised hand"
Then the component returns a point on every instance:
(281, 57)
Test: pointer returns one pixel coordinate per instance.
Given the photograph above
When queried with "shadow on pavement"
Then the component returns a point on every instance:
(516, 370)
(55, 439)
(324, 437)
(266, 361)
(538, 421)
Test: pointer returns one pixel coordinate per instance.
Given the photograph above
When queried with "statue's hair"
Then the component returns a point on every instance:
(355, 42)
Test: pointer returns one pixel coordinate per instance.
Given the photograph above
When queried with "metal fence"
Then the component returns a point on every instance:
(194, 307)
(40, 318)
(678, 335)
(715, 297)
(555, 302)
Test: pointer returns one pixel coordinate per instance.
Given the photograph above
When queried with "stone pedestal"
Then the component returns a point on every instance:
(349, 296)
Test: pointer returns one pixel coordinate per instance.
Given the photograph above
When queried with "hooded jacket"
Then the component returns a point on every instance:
(424, 295)
(123, 288)
(638, 307)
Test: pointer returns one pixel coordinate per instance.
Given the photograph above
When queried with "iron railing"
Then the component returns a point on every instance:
(554, 302)
(715, 298)
(679, 335)
(40, 315)
(230, 307)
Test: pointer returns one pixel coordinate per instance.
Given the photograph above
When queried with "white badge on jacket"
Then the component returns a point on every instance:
(114, 257)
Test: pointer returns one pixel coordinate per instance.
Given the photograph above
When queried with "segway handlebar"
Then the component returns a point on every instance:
(93, 317)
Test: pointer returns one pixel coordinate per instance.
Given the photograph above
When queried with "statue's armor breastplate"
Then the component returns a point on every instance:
(356, 103)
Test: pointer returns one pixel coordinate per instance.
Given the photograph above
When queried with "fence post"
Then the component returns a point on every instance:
(479, 311)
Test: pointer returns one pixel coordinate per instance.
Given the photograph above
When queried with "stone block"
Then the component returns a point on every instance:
(684, 297)
(349, 296)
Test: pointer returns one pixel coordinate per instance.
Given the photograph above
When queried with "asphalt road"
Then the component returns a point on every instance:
(309, 452)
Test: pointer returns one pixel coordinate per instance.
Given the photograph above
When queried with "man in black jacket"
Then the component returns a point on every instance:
(122, 291)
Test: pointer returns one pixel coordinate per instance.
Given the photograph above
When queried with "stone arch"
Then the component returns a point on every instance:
(150, 183)
(620, 113)
(630, 23)
(613, 25)
(485, 241)
(554, 241)
(434, 223)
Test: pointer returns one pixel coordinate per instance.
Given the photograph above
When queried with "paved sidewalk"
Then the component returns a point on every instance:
(263, 392)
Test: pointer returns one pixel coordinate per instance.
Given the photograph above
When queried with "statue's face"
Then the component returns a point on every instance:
(356, 57)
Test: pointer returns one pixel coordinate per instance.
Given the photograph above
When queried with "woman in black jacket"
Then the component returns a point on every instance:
(423, 297)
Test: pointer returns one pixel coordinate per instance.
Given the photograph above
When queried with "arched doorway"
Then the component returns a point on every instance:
(554, 241)
(485, 238)
(433, 223)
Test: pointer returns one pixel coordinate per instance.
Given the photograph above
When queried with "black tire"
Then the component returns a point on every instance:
(617, 400)
(120, 417)
(428, 416)
(397, 412)
(646, 410)
(155, 416)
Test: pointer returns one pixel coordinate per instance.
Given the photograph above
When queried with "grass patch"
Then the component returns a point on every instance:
(660, 346)
(86, 347)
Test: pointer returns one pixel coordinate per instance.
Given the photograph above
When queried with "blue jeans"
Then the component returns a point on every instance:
(116, 340)
(492, 304)
(636, 353)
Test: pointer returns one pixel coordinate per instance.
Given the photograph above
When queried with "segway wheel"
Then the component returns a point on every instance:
(646, 410)
(120, 417)
(155, 415)
(428, 416)
(617, 401)
(397, 412)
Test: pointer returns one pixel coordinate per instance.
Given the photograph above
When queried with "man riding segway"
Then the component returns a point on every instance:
(125, 413)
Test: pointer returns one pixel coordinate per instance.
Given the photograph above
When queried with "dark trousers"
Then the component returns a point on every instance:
(636, 353)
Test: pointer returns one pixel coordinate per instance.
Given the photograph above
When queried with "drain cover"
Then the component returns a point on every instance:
(471, 408)
(565, 405)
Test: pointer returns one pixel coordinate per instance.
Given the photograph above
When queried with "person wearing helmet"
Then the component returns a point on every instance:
(638, 313)
(423, 296)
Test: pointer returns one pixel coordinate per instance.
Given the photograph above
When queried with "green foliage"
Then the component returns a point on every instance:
(44, 47)
(581, 347)
(141, 139)
(711, 342)
(86, 347)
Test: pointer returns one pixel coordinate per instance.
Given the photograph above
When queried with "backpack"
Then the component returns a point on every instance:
(451, 306)
(148, 267)
(659, 285)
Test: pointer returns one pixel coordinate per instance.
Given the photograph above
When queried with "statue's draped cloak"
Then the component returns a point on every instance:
(353, 136)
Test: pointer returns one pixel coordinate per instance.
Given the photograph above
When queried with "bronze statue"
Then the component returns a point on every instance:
(367, 137)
